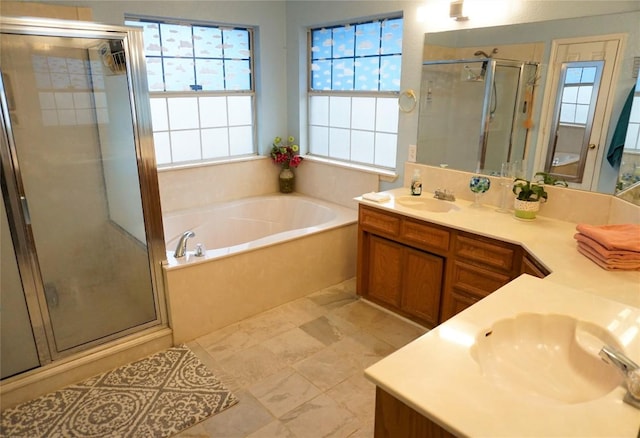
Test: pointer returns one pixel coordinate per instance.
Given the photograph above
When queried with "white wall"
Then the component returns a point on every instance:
(281, 51)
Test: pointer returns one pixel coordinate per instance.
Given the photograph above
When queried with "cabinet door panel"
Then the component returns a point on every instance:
(425, 235)
(454, 303)
(385, 271)
(422, 285)
(477, 281)
(495, 254)
(381, 222)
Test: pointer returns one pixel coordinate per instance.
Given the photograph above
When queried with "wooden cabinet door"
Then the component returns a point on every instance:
(454, 303)
(422, 285)
(385, 271)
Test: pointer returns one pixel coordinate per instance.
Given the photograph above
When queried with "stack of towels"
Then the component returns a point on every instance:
(612, 247)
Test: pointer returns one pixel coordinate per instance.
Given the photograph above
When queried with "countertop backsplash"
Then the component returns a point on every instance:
(577, 206)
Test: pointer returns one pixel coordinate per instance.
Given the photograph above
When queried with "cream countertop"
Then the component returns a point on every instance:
(548, 240)
(438, 377)
(436, 374)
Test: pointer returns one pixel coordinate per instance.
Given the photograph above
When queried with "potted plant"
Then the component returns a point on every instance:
(529, 194)
(285, 154)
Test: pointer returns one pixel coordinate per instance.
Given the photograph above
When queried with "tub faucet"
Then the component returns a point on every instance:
(181, 247)
(628, 368)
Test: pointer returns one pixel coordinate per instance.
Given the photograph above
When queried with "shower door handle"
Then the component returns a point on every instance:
(25, 210)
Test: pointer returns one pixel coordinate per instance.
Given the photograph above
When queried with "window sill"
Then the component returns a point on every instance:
(210, 163)
(385, 175)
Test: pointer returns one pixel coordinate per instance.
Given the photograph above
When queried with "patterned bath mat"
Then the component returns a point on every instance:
(157, 396)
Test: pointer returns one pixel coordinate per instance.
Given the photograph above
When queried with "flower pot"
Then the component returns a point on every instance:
(287, 180)
(526, 209)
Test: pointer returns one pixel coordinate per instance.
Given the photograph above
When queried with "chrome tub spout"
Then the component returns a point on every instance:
(181, 247)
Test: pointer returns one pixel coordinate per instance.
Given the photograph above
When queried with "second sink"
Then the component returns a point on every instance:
(548, 356)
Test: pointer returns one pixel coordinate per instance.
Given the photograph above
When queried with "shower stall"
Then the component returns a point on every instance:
(475, 113)
(81, 228)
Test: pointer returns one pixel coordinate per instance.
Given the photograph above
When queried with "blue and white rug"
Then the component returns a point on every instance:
(157, 396)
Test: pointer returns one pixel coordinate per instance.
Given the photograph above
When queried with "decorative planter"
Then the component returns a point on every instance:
(287, 180)
(526, 209)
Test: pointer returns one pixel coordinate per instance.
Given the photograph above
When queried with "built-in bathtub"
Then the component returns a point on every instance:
(260, 253)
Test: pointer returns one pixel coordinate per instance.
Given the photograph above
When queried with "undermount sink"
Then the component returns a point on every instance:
(426, 204)
(547, 356)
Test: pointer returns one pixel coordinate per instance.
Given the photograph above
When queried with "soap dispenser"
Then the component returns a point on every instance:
(416, 183)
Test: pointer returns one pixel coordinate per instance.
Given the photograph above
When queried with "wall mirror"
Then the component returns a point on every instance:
(479, 51)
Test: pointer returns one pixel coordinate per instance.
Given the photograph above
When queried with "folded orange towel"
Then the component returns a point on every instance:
(613, 237)
(604, 252)
(608, 265)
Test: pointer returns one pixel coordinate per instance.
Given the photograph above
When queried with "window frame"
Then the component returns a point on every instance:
(349, 93)
(198, 93)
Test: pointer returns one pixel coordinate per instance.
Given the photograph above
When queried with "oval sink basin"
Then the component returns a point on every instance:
(426, 204)
(547, 356)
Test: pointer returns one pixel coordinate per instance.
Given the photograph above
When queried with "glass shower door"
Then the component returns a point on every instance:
(70, 139)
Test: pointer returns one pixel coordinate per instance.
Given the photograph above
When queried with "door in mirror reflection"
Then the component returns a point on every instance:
(577, 134)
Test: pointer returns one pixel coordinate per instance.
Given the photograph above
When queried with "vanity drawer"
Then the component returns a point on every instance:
(385, 223)
(498, 255)
(475, 280)
(425, 235)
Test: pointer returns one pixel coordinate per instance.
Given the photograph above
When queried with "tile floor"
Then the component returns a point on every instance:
(298, 369)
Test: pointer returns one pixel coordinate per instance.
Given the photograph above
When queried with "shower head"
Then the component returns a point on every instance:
(483, 53)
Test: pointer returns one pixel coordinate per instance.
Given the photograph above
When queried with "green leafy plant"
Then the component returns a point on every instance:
(533, 191)
(549, 179)
(526, 190)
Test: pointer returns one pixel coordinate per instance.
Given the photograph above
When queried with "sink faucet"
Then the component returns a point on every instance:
(181, 247)
(444, 195)
(628, 368)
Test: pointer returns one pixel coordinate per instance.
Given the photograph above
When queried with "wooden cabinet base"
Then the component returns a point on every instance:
(394, 419)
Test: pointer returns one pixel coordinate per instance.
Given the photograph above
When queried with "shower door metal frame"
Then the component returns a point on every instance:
(485, 118)
(486, 115)
(13, 191)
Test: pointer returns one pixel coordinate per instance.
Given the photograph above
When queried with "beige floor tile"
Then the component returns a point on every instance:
(356, 394)
(293, 346)
(284, 391)
(320, 417)
(252, 365)
(395, 331)
(240, 420)
(327, 368)
(359, 313)
(333, 298)
(326, 331)
(301, 311)
(275, 429)
(362, 349)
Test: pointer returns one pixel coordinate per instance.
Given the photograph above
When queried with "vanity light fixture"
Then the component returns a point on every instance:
(455, 10)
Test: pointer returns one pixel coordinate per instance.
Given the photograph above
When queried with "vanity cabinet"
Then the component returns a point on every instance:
(399, 266)
(428, 272)
(480, 266)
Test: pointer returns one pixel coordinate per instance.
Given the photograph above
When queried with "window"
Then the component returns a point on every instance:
(577, 94)
(354, 80)
(201, 90)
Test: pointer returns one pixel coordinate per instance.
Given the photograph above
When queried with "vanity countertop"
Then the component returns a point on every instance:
(436, 374)
(550, 241)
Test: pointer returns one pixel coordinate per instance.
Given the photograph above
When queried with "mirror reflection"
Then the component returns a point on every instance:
(576, 98)
(475, 105)
(459, 135)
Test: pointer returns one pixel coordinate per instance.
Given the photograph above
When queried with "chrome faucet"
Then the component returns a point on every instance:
(444, 195)
(628, 368)
(181, 247)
